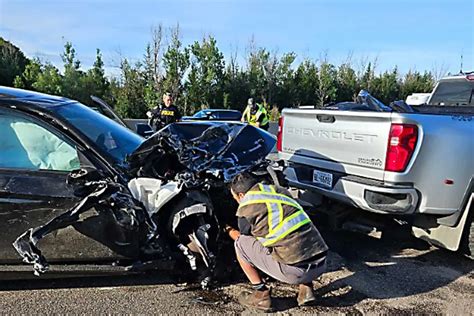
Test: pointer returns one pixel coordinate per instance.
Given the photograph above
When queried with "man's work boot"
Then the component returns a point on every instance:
(306, 295)
(257, 299)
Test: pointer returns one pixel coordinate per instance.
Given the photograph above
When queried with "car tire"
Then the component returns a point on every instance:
(467, 242)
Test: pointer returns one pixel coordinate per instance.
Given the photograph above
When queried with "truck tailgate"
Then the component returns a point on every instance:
(345, 141)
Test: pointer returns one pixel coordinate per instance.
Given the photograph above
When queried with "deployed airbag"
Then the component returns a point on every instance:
(30, 146)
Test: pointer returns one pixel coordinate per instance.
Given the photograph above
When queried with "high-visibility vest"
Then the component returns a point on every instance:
(253, 119)
(279, 225)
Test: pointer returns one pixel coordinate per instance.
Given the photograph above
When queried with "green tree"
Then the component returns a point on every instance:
(49, 80)
(327, 85)
(386, 87)
(306, 83)
(72, 78)
(151, 93)
(415, 82)
(97, 74)
(198, 76)
(94, 81)
(367, 77)
(12, 62)
(129, 95)
(285, 81)
(175, 63)
(347, 83)
(204, 85)
(29, 75)
(260, 73)
(152, 69)
(236, 87)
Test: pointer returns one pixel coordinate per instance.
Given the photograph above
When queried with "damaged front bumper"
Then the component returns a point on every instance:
(165, 205)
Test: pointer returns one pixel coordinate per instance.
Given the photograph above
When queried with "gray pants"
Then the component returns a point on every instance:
(253, 252)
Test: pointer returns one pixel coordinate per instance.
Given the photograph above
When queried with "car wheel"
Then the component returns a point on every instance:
(467, 242)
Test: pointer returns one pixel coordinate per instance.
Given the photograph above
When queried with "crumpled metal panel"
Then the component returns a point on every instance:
(201, 150)
(364, 97)
(104, 195)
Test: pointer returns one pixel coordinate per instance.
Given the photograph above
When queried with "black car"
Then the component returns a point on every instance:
(215, 115)
(58, 156)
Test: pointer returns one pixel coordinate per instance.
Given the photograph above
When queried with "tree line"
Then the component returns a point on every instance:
(200, 77)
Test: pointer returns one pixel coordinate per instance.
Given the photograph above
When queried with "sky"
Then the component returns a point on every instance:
(416, 34)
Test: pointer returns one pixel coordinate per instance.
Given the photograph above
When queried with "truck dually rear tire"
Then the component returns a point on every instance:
(467, 241)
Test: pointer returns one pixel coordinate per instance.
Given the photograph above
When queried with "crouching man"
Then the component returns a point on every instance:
(276, 237)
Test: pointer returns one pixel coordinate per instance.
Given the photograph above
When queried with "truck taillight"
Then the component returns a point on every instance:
(280, 134)
(401, 145)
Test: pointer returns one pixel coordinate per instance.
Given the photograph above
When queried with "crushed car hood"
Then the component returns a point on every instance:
(192, 156)
(198, 150)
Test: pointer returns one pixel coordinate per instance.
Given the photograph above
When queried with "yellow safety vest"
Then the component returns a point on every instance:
(279, 226)
(253, 119)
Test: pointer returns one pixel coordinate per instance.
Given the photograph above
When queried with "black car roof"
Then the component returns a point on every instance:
(40, 99)
(220, 110)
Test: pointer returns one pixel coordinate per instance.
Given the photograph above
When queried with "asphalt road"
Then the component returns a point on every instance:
(394, 275)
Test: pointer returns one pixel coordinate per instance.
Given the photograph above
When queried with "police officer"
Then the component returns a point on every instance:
(276, 237)
(256, 114)
(164, 114)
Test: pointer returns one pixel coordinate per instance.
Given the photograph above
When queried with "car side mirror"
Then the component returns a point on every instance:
(79, 178)
(84, 162)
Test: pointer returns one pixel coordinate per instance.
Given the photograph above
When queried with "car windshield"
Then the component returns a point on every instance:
(453, 92)
(200, 114)
(113, 138)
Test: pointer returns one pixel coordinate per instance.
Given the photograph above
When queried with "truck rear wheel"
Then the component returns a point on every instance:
(467, 242)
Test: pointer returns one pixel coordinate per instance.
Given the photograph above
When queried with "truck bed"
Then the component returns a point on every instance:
(338, 152)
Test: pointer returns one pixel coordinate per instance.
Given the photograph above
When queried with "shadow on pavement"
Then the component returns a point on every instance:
(386, 269)
(88, 281)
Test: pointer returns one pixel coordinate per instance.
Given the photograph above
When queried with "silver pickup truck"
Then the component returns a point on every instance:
(414, 163)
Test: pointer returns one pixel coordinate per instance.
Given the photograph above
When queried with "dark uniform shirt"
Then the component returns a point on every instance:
(162, 116)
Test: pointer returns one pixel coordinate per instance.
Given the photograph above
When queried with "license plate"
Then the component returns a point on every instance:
(322, 178)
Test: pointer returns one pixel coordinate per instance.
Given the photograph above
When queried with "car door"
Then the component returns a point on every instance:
(229, 116)
(35, 160)
(216, 116)
(105, 109)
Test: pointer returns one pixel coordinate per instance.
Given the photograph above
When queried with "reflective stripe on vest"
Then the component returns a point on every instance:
(248, 115)
(266, 119)
(279, 227)
(289, 225)
(275, 211)
(253, 119)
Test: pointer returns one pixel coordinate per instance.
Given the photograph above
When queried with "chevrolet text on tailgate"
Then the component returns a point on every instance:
(414, 163)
